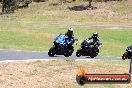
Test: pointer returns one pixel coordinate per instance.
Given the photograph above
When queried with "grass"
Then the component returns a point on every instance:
(111, 13)
(60, 72)
(41, 39)
(34, 28)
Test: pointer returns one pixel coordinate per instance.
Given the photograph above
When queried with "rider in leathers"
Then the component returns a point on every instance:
(95, 39)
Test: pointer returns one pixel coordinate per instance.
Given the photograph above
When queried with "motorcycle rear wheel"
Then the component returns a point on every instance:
(69, 52)
(94, 54)
(66, 54)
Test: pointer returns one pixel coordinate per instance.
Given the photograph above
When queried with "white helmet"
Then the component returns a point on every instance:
(70, 29)
(95, 34)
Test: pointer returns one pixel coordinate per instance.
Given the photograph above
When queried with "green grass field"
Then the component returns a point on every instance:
(40, 39)
(33, 28)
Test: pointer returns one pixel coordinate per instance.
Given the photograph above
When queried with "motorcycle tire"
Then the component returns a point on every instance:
(94, 54)
(123, 57)
(78, 53)
(66, 54)
(69, 52)
(126, 55)
(51, 52)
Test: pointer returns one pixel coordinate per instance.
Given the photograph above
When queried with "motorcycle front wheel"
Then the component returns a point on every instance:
(51, 52)
(126, 56)
(78, 53)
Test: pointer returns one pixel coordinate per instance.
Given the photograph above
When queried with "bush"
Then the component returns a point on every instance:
(23, 3)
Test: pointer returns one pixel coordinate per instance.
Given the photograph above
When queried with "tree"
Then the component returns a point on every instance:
(8, 6)
(90, 3)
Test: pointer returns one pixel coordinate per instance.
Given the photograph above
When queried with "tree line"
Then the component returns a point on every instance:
(8, 6)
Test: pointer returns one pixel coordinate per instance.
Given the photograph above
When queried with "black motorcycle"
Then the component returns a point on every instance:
(61, 46)
(128, 53)
(88, 50)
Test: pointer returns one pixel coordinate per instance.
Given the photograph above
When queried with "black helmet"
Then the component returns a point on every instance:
(95, 34)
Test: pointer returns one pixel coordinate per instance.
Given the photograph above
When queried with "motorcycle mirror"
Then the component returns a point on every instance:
(76, 41)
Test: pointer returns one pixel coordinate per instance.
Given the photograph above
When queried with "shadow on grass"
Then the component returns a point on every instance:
(82, 7)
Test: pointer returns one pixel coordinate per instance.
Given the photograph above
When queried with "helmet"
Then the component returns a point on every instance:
(95, 34)
(70, 31)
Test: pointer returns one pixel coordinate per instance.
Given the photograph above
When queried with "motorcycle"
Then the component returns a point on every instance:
(88, 50)
(128, 53)
(61, 46)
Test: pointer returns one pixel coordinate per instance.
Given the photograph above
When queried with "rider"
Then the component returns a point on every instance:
(70, 36)
(95, 38)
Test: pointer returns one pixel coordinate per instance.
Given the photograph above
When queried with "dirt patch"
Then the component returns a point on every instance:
(54, 74)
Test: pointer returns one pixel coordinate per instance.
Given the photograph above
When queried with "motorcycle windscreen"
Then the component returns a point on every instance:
(60, 39)
(75, 41)
(85, 43)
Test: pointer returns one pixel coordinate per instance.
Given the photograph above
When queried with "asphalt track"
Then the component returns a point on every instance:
(26, 55)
